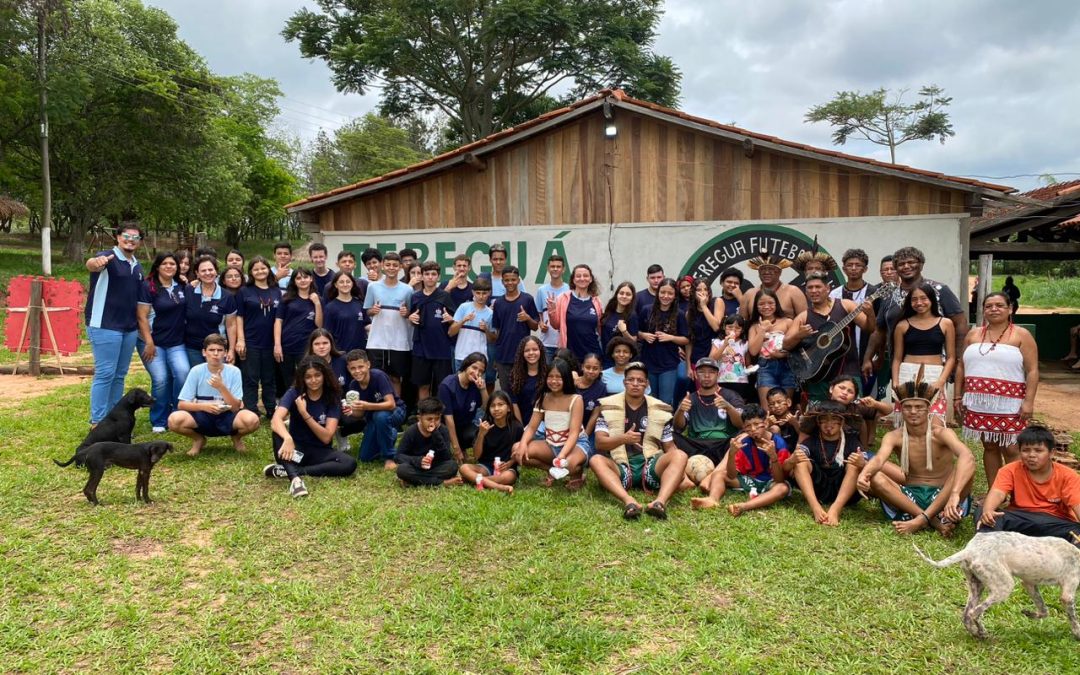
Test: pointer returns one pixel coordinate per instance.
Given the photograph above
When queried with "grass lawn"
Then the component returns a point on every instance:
(1044, 292)
(225, 572)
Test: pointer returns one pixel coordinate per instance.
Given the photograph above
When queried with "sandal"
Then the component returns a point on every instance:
(657, 510)
(575, 484)
(631, 511)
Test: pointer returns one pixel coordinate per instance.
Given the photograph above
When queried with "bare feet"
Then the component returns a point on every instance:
(488, 483)
(238, 443)
(575, 484)
(686, 484)
(946, 528)
(390, 465)
(832, 517)
(196, 446)
(703, 503)
(735, 510)
(910, 526)
(456, 480)
(820, 516)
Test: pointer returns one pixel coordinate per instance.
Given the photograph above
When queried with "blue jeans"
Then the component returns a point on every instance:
(112, 351)
(380, 433)
(663, 385)
(682, 383)
(194, 356)
(168, 371)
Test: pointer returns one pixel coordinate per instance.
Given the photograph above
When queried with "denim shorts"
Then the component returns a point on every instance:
(775, 373)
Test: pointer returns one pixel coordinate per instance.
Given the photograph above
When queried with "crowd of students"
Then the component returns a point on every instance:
(473, 379)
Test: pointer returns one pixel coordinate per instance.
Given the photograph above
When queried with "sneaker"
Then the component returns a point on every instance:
(159, 430)
(297, 488)
(274, 471)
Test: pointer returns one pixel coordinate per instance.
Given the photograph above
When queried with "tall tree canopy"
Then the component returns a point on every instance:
(364, 148)
(886, 121)
(486, 63)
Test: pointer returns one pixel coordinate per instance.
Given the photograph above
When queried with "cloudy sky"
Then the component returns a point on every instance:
(1010, 66)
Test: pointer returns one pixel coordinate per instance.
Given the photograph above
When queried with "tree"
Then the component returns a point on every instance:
(886, 122)
(364, 148)
(482, 62)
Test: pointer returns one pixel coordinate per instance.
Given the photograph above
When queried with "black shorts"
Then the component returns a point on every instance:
(827, 481)
(393, 363)
(430, 372)
(714, 449)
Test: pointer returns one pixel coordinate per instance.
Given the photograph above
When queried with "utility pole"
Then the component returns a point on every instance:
(46, 183)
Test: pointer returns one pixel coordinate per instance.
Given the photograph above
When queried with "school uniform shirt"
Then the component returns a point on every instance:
(359, 290)
(580, 327)
(283, 283)
(511, 331)
(590, 397)
(297, 321)
(607, 330)
(389, 330)
(323, 410)
(205, 314)
(322, 282)
(470, 337)
(460, 296)
(750, 461)
(701, 340)
(114, 293)
(551, 337)
(731, 306)
(644, 302)
(497, 288)
(168, 311)
(377, 388)
(340, 368)
(197, 388)
(525, 399)
(460, 402)
(346, 322)
(258, 307)
(660, 357)
(431, 337)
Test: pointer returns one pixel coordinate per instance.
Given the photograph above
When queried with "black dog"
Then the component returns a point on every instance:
(116, 426)
(139, 456)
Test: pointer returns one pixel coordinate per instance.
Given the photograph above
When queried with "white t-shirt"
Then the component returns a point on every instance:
(389, 330)
(470, 338)
(551, 337)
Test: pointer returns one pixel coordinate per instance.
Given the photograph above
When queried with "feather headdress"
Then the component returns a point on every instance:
(765, 259)
(814, 254)
(916, 390)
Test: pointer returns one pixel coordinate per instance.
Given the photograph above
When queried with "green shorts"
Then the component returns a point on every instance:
(923, 496)
(747, 483)
(640, 472)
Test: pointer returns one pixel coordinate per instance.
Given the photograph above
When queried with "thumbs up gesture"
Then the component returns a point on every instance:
(684, 405)
(414, 318)
(102, 261)
(522, 315)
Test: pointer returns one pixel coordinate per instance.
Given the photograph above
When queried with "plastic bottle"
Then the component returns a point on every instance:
(497, 466)
(429, 458)
(479, 481)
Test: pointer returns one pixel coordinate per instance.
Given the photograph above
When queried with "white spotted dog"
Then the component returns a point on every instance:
(992, 559)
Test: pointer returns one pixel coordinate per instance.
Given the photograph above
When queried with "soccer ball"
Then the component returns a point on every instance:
(698, 467)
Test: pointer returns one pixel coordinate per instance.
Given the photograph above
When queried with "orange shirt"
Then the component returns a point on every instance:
(1056, 496)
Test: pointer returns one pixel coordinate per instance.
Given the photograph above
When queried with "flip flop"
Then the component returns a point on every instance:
(575, 484)
(632, 512)
(657, 510)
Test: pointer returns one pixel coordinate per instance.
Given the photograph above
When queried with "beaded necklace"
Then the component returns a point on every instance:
(993, 343)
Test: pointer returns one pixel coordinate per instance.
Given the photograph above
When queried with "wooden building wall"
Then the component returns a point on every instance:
(651, 172)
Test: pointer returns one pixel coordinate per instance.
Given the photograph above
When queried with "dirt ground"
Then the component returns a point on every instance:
(15, 389)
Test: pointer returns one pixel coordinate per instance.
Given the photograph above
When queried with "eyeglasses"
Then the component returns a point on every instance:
(130, 237)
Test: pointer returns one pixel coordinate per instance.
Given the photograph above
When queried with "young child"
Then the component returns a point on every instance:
(499, 431)
(754, 464)
(591, 388)
(781, 419)
(730, 353)
(472, 323)
(1044, 495)
(424, 456)
(561, 410)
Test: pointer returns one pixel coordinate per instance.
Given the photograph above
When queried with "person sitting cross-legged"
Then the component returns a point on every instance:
(707, 419)
(372, 406)
(305, 448)
(635, 446)
(827, 462)
(1044, 495)
(211, 401)
(935, 465)
(424, 455)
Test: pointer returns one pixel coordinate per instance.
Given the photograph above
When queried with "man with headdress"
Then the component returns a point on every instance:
(936, 465)
(768, 267)
(826, 464)
(813, 260)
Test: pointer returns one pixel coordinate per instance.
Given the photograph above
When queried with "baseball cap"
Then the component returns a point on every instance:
(706, 362)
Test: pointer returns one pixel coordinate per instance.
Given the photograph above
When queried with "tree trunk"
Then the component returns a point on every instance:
(75, 249)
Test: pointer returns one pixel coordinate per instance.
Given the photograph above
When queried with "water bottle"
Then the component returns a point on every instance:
(479, 481)
(428, 459)
(497, 466)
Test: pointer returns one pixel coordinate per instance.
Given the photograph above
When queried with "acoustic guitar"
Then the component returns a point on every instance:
(813, 359)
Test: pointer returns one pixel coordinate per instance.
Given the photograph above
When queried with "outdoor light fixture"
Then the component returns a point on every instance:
(610, 130)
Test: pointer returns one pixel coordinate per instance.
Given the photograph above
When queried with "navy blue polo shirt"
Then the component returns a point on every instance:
(591, 397)
(323, 410)
(258, 307)
(204, 315)
(525, 400)
(660, 357)
(511, 331)
(580, 327)
(297, 321)
(460, 296)
(168, 310)
(701, 342)
(378, 387)
(346, 321)
(114, 293)
(322, 282)
(431, 338)
(607, 331)
(460, 402)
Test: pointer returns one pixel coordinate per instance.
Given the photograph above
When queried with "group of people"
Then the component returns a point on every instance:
(472, 379)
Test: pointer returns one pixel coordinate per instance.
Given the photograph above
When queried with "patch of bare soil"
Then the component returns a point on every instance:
(17, 389)
(138, 549)
(1058, 398)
